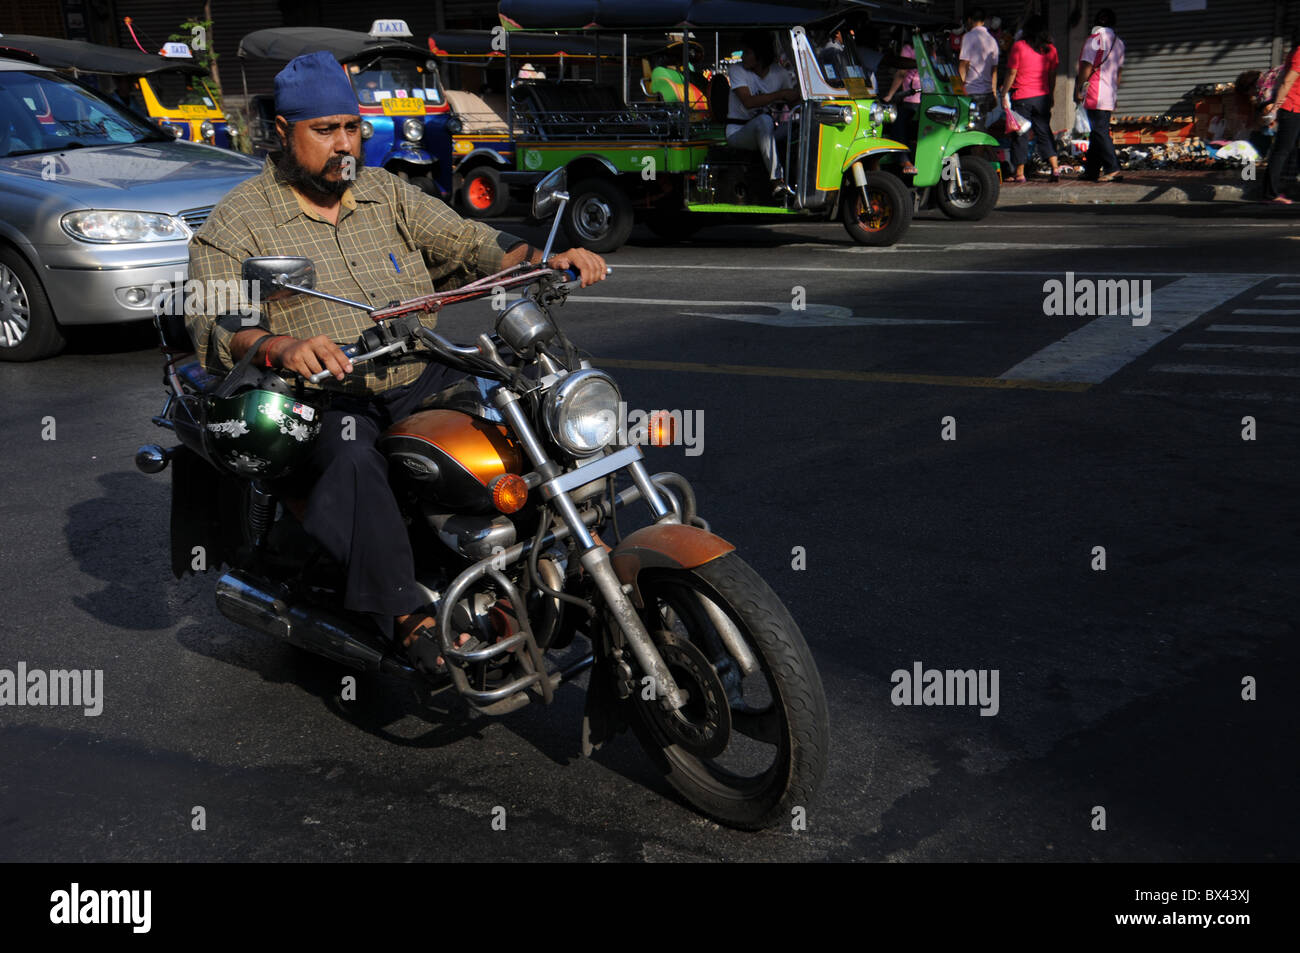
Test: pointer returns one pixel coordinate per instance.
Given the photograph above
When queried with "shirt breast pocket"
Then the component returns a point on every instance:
(414, 277)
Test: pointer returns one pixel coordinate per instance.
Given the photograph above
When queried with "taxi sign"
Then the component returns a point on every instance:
(403, 106)
(178, 50)
(390, 28)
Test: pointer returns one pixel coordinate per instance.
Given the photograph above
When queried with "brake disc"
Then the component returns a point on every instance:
(703, 725)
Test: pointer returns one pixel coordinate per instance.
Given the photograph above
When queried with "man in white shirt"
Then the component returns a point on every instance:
(756, 83)
(978, 64)
(1101, 67)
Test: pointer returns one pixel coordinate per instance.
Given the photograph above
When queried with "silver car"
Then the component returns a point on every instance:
(97, 207)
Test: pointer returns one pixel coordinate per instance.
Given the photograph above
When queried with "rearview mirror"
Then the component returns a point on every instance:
(550, 192)
(275, 273)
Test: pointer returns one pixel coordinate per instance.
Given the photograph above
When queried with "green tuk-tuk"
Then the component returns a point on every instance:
(635, 158)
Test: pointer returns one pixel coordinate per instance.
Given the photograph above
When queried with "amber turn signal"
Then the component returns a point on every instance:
(663, 429)
(509, 492)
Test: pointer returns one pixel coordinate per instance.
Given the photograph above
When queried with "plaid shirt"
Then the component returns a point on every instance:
(379, 215)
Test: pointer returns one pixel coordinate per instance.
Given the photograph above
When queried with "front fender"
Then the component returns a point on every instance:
(664, 546)
(929, 162)
(877, 147)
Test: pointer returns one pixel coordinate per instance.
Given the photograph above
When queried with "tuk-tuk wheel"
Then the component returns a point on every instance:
(483, 195)
(599, 216)
(885, 219)
(979, 193)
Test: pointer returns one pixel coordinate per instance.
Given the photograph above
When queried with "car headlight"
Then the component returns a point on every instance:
(367, 130)
(111, 225)
(207, 130)
(581, 412)
(413, 129)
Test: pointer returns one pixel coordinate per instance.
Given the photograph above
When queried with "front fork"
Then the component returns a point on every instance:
(593, 556)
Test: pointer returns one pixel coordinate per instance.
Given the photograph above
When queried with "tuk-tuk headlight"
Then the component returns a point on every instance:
(877, 113)
(367, 130)
(413, 130)
(891, 113)
(581, 412)
(974, 114)
(454, 126)
(176, 131)
(207, 130)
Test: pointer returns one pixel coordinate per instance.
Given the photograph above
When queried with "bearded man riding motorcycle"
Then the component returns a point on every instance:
(372, 237)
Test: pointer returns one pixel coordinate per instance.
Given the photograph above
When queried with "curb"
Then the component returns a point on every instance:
(1118, 193)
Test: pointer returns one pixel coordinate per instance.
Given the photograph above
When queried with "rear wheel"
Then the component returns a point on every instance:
(599, 215)
(884, 217)
(978, 193)
(28, 330)
(483, 195)
(745, 749)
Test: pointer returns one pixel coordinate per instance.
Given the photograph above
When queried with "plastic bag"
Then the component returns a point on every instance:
(1081, 125)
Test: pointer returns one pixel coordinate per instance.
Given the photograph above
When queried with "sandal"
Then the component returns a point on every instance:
(1020, 178)
(1282, 200)
(425, 653)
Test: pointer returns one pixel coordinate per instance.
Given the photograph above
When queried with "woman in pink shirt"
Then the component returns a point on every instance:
(1031, 77)
(1284, 112)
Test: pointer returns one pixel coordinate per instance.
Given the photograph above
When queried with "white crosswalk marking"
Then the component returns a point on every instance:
(1226, 370)
(1242, 348)
(1255, 328)
(1104, 345)
(1266, 311)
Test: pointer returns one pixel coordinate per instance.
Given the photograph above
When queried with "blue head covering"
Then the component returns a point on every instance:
(311, 86)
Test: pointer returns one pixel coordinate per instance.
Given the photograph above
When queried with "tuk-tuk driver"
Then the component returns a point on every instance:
(757, 84)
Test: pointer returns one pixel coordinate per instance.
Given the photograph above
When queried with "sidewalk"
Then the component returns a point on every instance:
(1143, 186)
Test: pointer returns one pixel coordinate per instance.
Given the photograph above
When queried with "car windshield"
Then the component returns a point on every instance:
(181, 89)
(45, 112)
(394, 78)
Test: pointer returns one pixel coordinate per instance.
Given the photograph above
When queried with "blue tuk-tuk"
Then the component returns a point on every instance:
(406, 122)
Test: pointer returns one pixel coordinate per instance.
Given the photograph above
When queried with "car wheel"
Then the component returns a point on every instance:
(599, 217)
(28, 330)
(483, 195)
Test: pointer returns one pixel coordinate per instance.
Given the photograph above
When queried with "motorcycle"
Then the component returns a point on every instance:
(508, 501)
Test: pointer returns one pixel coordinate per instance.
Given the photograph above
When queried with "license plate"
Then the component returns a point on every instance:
(403, 106)
(193, 110)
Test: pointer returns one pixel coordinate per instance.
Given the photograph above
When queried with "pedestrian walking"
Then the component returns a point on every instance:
(978, 62)
(1031, 78)
(1284, 111)
(1101, 68)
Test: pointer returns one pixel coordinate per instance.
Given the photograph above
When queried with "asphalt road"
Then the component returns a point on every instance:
(823, 429)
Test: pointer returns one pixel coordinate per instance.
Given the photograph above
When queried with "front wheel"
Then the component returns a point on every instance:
(977, 195)
(28, 330)
(599, 216)
(884, 216)
(745, 749)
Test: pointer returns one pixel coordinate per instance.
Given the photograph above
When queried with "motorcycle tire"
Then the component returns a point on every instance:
(712, 751)
(889, 215)
(978, 196)
(599, 216)
(28, 330)
(483, 195)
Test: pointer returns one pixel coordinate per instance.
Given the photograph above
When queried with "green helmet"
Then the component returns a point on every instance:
(261, 433)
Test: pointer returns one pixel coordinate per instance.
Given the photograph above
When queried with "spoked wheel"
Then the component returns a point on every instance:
(745, 749)
(978, 193)
(885, 214)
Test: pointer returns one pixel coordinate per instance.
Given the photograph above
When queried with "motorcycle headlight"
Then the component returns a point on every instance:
(413, 130)
(367, 130)
(110, 225)
(581, 412)
(207, 130)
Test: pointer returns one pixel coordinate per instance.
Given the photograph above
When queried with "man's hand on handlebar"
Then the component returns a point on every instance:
(590, 266)
(310, 356)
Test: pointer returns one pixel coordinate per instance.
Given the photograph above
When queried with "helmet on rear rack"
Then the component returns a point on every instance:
(261, 431)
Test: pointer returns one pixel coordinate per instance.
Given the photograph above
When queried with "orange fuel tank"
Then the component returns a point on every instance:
(449, 457)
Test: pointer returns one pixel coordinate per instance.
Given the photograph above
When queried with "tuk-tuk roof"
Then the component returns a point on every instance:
(87, 57)
(660, 15)
(699, 14)
(522, 43)
(284, 43)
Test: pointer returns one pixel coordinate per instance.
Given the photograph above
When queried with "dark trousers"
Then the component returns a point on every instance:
(904, 128)
(1038, 110)
(1284, 143)
(351, 510)
(1101, 152)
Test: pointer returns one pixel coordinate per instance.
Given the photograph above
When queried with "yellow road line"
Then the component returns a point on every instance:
(863, 377)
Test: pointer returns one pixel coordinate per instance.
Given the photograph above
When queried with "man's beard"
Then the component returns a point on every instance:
(312, 183)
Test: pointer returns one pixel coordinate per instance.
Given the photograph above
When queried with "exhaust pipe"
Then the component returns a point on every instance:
(248, 601)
